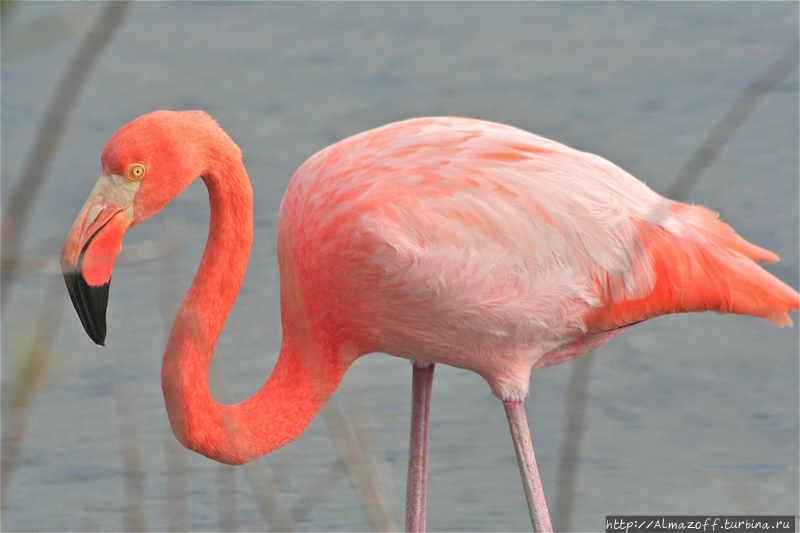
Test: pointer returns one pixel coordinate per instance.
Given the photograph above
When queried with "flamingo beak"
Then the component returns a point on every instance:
(91, 248)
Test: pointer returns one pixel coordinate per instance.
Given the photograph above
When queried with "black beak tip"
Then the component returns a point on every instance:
(90, 302)
(99, 338)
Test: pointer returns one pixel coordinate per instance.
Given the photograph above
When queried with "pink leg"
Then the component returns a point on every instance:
(416, 489)
(534, 494)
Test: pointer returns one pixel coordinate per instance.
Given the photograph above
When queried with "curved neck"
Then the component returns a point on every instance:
(297, 388)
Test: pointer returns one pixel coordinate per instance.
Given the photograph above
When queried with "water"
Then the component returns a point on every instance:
(682, 410)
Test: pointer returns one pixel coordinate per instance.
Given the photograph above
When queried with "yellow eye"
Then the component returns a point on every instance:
(136, 171)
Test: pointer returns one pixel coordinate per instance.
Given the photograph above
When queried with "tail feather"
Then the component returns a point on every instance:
(716, 231)
(707, 268)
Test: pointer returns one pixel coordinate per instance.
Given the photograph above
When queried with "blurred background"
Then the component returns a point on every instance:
(691, 414)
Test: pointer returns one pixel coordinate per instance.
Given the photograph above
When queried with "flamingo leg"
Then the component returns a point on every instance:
(416, 490)
(534, 493)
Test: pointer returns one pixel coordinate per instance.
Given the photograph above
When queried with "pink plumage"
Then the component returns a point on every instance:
(441, 240)
(485, 247)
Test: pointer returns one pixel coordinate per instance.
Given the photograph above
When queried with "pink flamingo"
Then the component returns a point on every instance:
(439, 240)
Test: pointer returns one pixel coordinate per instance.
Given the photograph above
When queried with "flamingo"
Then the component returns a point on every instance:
(440, 240)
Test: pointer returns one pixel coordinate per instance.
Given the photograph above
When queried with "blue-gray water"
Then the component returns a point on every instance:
(685, 413)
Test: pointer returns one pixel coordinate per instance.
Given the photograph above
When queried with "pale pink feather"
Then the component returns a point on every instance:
(478, 245)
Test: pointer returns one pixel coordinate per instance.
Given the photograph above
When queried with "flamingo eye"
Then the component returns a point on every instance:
(136, 171)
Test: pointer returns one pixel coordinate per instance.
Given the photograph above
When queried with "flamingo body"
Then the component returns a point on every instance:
(440, 240)
(484, 247)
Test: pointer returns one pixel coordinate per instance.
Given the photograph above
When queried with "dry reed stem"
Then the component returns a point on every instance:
(316, 494)
(44, 32)
(732, 120)
(49, 264)
(571, 446)
(359, 467)
(266, 492)
(367, 435)
(135, 515)
(34, 367)
(226, 497)
(177, 484)
(50, 135)
(171, 249)
(750, 503)
(268, 497)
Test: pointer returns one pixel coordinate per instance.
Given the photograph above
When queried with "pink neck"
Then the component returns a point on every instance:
(298, 386)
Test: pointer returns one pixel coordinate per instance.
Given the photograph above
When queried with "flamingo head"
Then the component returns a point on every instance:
(145, 165)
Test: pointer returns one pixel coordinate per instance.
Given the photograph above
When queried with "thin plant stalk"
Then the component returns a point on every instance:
(226, 497)
(50, 136)
(178, 473)
(367, 434)
(265, 489)
(316, 494)
(571, 446)
(35, 363)
(135, 507)
(732, 120)
(362, 473)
